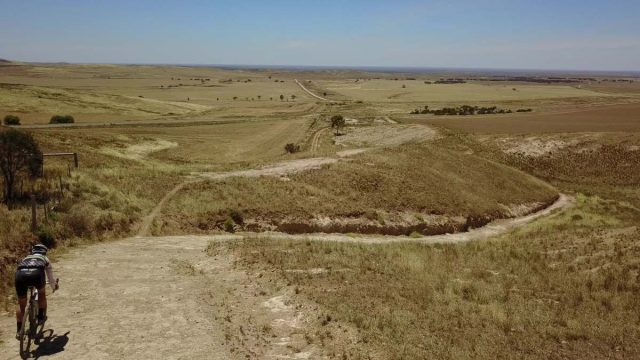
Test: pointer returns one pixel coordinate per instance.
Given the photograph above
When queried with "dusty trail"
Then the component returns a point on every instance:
(309, 91)
(147, 221)
(124, 299)
(315, 143)
(161, 298)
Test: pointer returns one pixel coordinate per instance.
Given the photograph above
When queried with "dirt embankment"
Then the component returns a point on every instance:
(400, 224)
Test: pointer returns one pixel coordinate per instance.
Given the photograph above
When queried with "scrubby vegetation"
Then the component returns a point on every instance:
(62, 119)
(451, 81)
(291, 148)
(463, 110)
(11, 120)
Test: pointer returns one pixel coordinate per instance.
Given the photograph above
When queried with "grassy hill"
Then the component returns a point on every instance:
(417, 187)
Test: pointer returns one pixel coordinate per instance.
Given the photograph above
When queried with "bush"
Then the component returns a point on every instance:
(236, 216)
(292, 148)
(11, 120)
(80, 221)
(62, 119)
(46, 237)
(229, 225)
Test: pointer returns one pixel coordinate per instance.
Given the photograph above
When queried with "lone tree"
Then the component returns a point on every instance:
(19, 156)
(293, 97)
(337, 122)
(281, 97)
(11, 120)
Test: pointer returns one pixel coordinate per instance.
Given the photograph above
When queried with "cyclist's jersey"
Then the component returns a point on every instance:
(35, 261)
(38, 262)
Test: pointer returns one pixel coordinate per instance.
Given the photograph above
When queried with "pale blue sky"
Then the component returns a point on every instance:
(524, 34)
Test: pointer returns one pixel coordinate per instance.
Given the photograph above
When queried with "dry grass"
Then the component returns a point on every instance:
(109, 93)
(563, 287)
(416, 91)
(376, 186)
(603, 164)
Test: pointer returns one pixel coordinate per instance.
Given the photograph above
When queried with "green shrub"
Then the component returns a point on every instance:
(229, 225)
(46, 237)
(62, 119)
(11, 120)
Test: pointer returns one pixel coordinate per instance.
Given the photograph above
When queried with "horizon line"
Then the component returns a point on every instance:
(339, 67)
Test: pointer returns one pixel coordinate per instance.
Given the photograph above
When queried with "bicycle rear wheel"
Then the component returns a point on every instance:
(25, 337)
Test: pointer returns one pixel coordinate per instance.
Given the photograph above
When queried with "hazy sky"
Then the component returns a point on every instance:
(525, 34)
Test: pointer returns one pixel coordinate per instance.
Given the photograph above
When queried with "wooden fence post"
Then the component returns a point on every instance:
(34, 223)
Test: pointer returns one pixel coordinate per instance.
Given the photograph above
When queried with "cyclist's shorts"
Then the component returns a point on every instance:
(29, 277)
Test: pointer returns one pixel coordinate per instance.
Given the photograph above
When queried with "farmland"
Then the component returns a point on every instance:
(171, 152)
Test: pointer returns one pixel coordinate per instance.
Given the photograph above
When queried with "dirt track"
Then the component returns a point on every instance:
(309, 91)
(163, 297)
(160, 298)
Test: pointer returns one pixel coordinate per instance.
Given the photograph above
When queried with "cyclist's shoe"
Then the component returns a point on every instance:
(18, 336)
(42, 321)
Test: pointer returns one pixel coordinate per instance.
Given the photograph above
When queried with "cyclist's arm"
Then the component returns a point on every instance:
(52, 280)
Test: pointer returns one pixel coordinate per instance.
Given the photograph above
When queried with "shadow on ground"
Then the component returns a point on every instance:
(50, 344)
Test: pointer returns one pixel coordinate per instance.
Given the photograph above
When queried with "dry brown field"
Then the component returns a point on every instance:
(610, 118)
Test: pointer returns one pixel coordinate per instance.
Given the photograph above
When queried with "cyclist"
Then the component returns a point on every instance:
(31, 272)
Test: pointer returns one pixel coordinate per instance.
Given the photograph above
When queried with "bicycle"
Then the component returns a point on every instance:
(27, 335)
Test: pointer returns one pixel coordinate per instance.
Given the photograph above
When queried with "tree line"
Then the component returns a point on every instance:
(466, 110)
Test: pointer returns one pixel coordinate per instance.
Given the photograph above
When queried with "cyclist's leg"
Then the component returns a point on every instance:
(21, 291)
(42, 303)
(42, 296)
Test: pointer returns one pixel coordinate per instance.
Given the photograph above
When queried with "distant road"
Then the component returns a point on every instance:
(309, 92)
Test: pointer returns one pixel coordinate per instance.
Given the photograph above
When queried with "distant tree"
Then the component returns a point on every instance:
(62, 119)
(20, 156)
(281, 97)
(11, 120)
(337, 122)
(259, 97)
(235, 98)
(271, 98)
(404, 86)
(324, 94)
(293, 97)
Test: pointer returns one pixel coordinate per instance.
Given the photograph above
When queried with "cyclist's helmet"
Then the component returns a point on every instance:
(39, 249)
